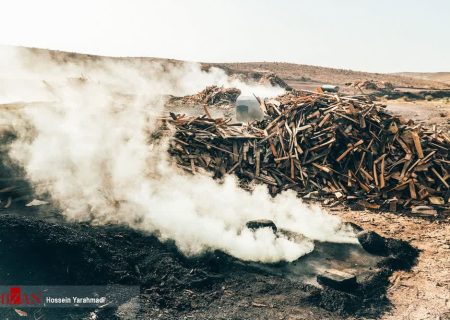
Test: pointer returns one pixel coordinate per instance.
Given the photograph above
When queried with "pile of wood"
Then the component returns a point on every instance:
(327, 147)
(215, 95)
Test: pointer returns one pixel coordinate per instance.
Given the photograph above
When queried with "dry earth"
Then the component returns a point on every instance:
(423, 292)
(434, 76)
(423, 112)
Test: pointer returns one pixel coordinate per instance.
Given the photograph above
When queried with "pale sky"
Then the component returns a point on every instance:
(368, 35)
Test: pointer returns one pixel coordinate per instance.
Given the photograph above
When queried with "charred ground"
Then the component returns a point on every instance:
(213, 286)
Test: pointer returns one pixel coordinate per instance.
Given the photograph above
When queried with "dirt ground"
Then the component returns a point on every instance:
(423, 112)
(211, 286)
(423, 292)
(434, 76)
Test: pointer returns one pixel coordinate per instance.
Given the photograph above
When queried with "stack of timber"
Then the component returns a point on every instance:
(327, 147)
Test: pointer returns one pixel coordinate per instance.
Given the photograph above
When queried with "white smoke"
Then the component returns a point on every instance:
(90, 148)
(192, 78)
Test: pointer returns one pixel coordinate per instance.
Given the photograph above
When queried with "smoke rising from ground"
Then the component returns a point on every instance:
(89, 146)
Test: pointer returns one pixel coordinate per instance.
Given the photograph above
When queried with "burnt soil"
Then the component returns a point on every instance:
(36, 251)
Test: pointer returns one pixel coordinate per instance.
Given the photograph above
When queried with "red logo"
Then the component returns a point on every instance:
(15, 296)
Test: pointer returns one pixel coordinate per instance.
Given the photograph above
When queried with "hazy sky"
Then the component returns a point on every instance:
(369, 35)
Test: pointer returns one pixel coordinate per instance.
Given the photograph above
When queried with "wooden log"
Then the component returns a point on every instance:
(349, 149)
(366, 175)
(417, 144)
(235, 155)
(440, 177)
(332, 140)
(273, 149)
(322, 168)
(375, 175)
(393, 204)
(234, 167)
(257, 161)
(349, 180)
(207, 111)
(192, 165)
(292, 169)
(324, 120)
(382, 180)
(412, 189)
(408, 152)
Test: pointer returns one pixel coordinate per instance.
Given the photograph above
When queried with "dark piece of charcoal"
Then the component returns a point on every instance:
(337, 279)
(372, 242)
(262, 223)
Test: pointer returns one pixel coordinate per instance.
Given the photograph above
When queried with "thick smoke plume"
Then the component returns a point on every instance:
(87, 144)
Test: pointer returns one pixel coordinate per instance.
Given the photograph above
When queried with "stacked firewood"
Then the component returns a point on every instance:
(328, 147)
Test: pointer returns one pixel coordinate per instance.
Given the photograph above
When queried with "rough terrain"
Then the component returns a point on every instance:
(212, 286)
(216, 286)
(423, 292)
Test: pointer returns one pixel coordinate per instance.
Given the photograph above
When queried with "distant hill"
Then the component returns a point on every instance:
(299, 74)
(296, 75)
(433, 76)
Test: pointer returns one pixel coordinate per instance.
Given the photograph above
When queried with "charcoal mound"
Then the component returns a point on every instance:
(37, 252)
(211, 286)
